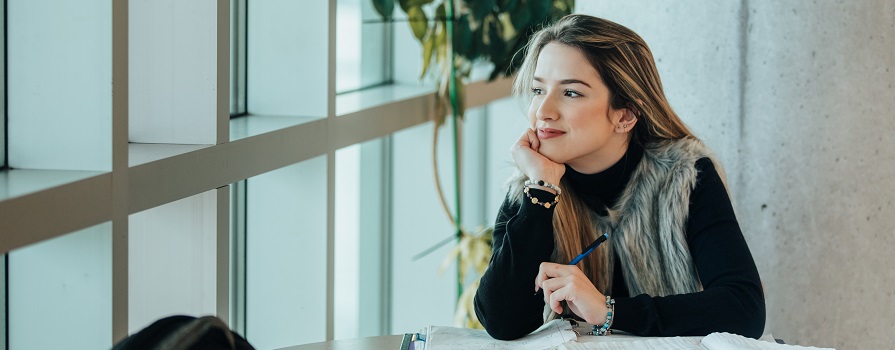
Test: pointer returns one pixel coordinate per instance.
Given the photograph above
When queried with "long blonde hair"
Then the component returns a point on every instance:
(625, 64)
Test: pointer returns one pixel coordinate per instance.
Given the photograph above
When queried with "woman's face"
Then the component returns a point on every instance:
(570, 111)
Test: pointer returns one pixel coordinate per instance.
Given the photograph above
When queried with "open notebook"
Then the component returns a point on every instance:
(560, 334)
(549, 336)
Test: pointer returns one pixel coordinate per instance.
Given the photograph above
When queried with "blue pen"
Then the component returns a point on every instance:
(590, 248)
(586, 251)
(578, 259)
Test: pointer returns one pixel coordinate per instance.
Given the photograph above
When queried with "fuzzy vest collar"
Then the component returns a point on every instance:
(650, 218)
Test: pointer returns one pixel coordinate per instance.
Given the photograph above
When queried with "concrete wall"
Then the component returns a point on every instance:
(817, 159)
(797, 100)
(698, 57)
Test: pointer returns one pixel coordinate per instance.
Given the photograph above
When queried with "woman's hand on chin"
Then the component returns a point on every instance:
(534, 164)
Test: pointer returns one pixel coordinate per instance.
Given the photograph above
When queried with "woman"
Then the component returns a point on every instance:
(605, 141)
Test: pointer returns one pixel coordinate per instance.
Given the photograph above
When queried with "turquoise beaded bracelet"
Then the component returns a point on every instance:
(604, 330)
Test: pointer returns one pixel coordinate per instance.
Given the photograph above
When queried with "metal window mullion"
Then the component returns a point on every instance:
(237, 50)
(222, 135)
(4, 318)
(238, 257)
(330, 169)
(120, 170)
(387, 171)
(5, 98)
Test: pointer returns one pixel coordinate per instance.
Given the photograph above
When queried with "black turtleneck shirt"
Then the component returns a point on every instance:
(732, 299)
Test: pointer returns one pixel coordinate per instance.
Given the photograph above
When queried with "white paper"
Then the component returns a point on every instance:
(549, 336)
(714, 341)
(675, 343)
(727, 341)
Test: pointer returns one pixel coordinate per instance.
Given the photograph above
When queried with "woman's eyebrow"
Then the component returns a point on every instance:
(564, 81)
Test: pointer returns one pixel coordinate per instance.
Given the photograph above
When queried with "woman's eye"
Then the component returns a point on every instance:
(537, 91)
(572, 94)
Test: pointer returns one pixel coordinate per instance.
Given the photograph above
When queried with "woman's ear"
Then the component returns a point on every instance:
(627, 119)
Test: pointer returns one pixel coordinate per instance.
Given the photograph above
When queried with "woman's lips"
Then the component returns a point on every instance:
(547, 133)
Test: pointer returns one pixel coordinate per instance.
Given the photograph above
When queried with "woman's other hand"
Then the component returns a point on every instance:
(567, 283)
(535, 165)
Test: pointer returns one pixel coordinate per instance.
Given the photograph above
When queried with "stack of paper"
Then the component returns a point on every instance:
(714, 341)
(560, 334)
(550, 336)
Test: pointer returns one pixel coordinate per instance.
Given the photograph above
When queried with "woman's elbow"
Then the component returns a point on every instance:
(754, 317)
(499, 328)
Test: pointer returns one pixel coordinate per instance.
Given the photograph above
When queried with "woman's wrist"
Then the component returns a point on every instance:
(543, 188)
(600, 313)
(546, 178)
(604, 328)
(544, 185)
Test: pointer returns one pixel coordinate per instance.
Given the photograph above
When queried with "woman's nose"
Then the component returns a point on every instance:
(547, 109)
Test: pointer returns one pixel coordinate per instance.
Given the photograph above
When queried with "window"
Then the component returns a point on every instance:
(238, 213)
(63, 285)
(363, 46)
(3, 146)
(58, 115)
(237, 57)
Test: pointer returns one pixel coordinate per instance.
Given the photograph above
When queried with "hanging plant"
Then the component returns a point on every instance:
(461, 33)
(489, 30)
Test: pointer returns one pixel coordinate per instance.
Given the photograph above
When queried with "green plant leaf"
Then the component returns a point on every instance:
(418, 22)
(481, 8)
(506, 5)
(540, 10)
(476, 44)
(496, 46)
(569, 6)
(559, 9)
(406, 5)
(385, 8)
(463, 36)
(440, 13)
(521, 18)
(441, 43)
(461, 97)
(428, 49)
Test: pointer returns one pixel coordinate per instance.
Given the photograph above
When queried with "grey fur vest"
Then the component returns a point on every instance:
(650, 219)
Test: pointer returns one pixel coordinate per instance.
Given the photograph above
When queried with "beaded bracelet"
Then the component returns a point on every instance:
(535, 200)
(551, 186)
(604, 330)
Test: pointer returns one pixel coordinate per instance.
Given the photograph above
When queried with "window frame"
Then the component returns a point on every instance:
(171, 177)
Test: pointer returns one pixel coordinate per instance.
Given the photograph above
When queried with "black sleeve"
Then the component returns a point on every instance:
(732, 299)
(505, 302)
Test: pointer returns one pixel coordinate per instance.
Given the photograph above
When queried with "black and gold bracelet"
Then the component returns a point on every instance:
(535, 200)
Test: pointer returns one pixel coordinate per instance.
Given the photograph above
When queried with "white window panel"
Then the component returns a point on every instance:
(60, 292)
(362, 41)
(3, 90)
(286, 255)
(237, 256)
(505, 122)
(59, 84)
(361, 254)
(346, 289)
(237, 56)
(172, 71)
(287, 57)
(172, 260)
(474, 168)
(420, 296)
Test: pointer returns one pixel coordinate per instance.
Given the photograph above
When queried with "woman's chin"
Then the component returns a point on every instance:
(552, 156)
